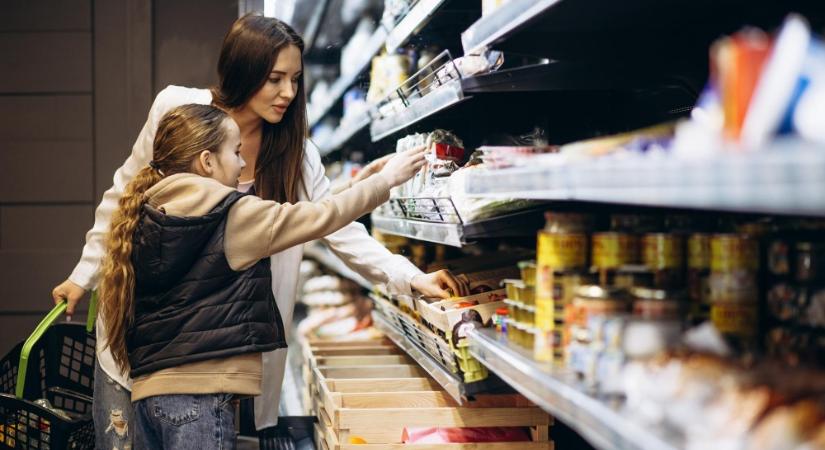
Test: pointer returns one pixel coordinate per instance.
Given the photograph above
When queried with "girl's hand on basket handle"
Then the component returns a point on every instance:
(69, 292)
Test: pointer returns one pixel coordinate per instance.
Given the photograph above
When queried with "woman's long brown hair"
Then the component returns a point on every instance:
(249, 51)
(182, 135)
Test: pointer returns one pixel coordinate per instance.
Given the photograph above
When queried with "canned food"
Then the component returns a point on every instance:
(612, 249)
(567, 222)
(562, 251)
(732, 252)
(735, 319)
(662, 251)
(528, 272)
(810, 258)
(512, 288)
(784, 301)
(592, 300)
(699, 251)
(633, 275)
(733, 287)
(656, 303)
(779, 258)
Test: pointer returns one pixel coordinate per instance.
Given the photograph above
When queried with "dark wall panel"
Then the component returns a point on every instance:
(46, 117)
(46, 62)
(44, 227)
(46, 171)
(46, 15)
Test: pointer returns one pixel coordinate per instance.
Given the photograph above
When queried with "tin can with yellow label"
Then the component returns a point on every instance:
(664, 254)
(735, 319)
(733, 252)
(612, 249)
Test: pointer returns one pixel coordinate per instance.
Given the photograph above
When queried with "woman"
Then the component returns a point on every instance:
(261, 86)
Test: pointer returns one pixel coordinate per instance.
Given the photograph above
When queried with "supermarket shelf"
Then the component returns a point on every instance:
(602, 422)
(446, 96)
(521, 223)
(337, 90)
(344, 134)
(510, 17)
(447, 380)
(325, 257)
(440, 233)
(412, 23)
(786, 179)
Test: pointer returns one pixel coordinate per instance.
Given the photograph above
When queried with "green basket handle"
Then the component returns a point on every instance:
(27, 346)
(40, 330)
(90, 319)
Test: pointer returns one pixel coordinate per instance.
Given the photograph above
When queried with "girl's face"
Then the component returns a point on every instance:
(226, 164)
(271, 101)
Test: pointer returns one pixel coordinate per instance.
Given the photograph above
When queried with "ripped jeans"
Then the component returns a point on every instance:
(113, 413)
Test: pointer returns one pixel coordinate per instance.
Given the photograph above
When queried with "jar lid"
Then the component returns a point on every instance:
(526, 264)
(502, 311)
(646, 293)
(600, 292)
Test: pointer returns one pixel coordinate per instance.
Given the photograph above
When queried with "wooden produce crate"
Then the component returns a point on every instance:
(317, 353)
(379, 418)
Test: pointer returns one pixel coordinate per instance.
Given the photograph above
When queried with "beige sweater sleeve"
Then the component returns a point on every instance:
(256, 229)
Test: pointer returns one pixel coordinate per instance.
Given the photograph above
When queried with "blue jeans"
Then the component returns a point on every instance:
(185, 422)
(112, 412)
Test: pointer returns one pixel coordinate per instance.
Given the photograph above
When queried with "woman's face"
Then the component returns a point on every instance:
(280, 88)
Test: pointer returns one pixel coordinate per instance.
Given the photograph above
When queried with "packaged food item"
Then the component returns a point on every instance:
(612, 250)
(657, 304)
(779, 257)
(810, 261)
(698, 270)
(663, 253)
(499, 319)
(595, 300)
(734, 252)
(561, 259)
(528, 272)
(633, 275)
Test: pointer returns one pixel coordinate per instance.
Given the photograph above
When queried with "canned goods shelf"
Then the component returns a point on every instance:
(326, 258)
(600, 421)
(786, 179)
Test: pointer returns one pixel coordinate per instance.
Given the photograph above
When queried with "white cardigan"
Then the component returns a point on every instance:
(352, 243)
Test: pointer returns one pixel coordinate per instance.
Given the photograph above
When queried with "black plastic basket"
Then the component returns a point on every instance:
(59, 363)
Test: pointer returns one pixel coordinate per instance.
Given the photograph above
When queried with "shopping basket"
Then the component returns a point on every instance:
(56, 363)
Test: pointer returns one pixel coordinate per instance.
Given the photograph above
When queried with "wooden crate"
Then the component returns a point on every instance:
(361, 360)
(343, 415)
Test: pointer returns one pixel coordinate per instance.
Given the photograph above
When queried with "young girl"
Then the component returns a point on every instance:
(261, 86)
(186, 285)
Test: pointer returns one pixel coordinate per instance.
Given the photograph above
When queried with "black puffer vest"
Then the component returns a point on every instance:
(189, 304)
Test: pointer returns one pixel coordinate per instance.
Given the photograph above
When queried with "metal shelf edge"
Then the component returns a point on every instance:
(444, 97)
(601, 425)
(450, 383)
(415, 19)
(501, 22)
(439, 233)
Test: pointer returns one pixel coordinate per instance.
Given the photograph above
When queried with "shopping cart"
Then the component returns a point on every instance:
(47, 383)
